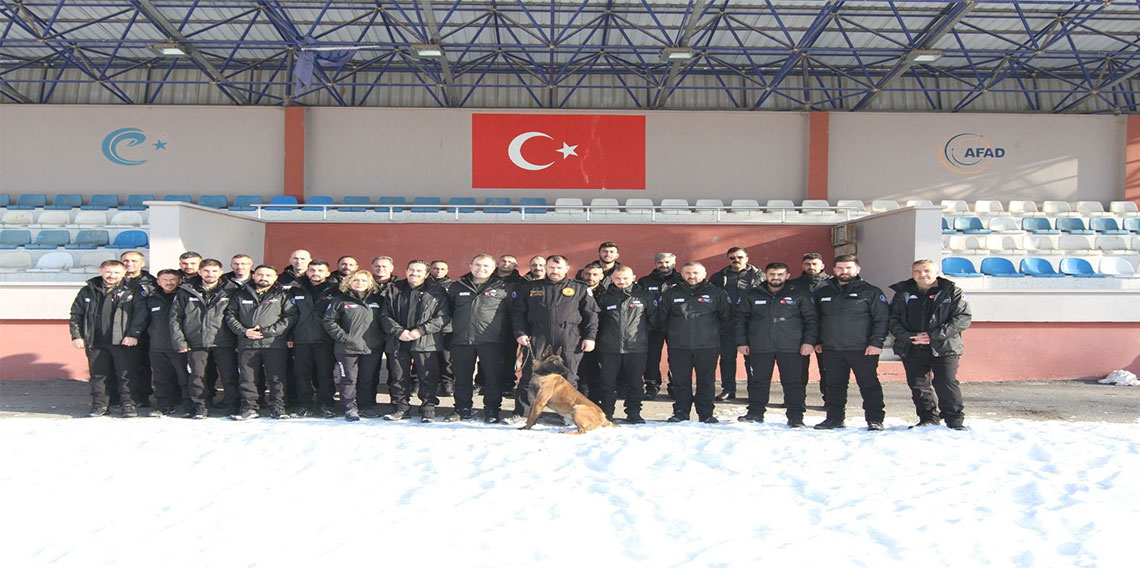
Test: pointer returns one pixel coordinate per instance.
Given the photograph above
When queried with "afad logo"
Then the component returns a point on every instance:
(969, 153)
(126, 138)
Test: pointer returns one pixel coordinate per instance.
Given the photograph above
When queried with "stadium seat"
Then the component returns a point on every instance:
(353, 200)
(966, 243)
(464, 201)
(1106, 226)
(284, 201)
(391, 201)
(90, 219)
(674, 206)
(639, 205)
(126, 219)
(881, 205)
(1023, 208)
(775, 205)
(851, 206)
(50, 239)
(537, 205)
(1117, 267)
(1038, 267)
(90, 239)
(5, 200)
(66, 201)
(1072, 243)
(946, 228)
(243, 202)
(135, 202)
(1003, 244)
(919, 203)
(17, 218)
(1135, 243)
(130, 239)
(988, 207)
(1036, 243)
(568, 205)
(15, 260)
(1004, 225)
(604, 205)
(813, 206)
(1112, 245)
(421, 204)
(1090, 208)
(1132, 224)
(54, 262)
(1073, 226)
(50, 219)
(318, 200)
(90, 261)
(180, 197)
(498, 201)
(958, 267)
(14, 238)
(1056, 208)
(955, 206)
(30, 201)
(712, 205)
(1079, 267)
(102, 202)
(1000, 267)
(1124, 208)
(213, 201)
(1038, 226)
(744, 206)
(970, 226)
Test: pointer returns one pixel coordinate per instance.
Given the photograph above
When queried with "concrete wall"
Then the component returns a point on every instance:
(178, 227)
(887, 243)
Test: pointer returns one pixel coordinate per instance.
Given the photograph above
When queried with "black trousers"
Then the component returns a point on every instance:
(653, 359)
(446, 374)
(111, 367)
(142, 384)
(838, 366)
(400, 383)
(728, 364)
(171, 378)
(590, 377)
(357, 380)
(920, 364)
(224, 361)
(804, 374)
(272, 361)
(618, 368)
(313, 365)
(760, 385)
(571, 357)
(490, 359)
(682, 364)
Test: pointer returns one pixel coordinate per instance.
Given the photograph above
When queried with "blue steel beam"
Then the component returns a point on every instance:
(818, 26)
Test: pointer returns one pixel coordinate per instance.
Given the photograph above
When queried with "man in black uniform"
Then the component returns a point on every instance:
(607, 260)
(384, 272)
(776, 324)
(812, 278)
(555, 311)
(312, 347)
(479, 301)
(626, 313)
(198, 329)
(507, 270)
(437, 275)
(413, 319)
(928, 316)
(663, 277)
(537, 269)
(260, 314)
(142, 386)
(298, 263)
(589, 373)
(168, 366)
(853, 318)
(345, 266)
(694, 316)
(188, 263)
(107, 318)
(735, 278)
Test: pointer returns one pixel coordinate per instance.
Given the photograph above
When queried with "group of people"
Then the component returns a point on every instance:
(313, 329)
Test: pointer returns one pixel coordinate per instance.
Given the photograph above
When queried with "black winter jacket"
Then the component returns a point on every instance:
(354, 323)
(777, 322)
(197, 318)
(122, 308)
(480, 313)
(657, 284)
(312, 302)
(144, 280)
(941, 312)
(426, 308)
(625, 316)
(812, 283)
(158, 307)
(695, 317)
(563, 309)
(736, 282)
(272, 312)
(853, 317)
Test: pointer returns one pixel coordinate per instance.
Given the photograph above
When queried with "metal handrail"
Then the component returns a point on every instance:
(847, 210)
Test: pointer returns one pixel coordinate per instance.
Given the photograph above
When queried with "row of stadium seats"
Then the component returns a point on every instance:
(1037, 243)
(1038, 267)
(63, 238)
(71, 218)
(1030, 208)
(54, 261)
(973, 225)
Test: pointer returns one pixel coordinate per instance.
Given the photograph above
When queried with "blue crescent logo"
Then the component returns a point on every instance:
(131, 136)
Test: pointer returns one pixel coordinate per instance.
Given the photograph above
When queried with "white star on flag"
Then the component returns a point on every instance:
(568, 150)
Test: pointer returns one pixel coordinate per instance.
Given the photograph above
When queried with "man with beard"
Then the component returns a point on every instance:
(188, 264)
(537, 269)
(812, 278)
(607, 260)
(734, 279)
(663, 277)
(312, 346)
(479, 315)
(507, 269)
(384, 276)
(438, 276)
(589, 374)
(626, 313)
(413, 319)
(345, 267)
(198, 329)
(260, 314)
(241, 271)
(168, 366)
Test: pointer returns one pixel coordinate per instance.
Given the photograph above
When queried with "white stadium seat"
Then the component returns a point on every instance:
(966, 243)
(90, 261)
(1070, 243)
(126, 219)
(11, 261)
(1004, 225)
(1117, 267)
(604, 205)
(1036, 243)
(774, 205)
(955, 206)
(1003, 244)
(17, 218)
(1056, 208)
(852, 206)
(986, 206)
(817, 206)
(54, 262)
(1124, 208)
(707, 204)
(1090, 208)
(90, 219)
(639, 205)
(673, 206)
(53, 219)
(744, 206)
(919, 203)
(881, 205)
(1112, 244)
(1023, 208)
(568, 205)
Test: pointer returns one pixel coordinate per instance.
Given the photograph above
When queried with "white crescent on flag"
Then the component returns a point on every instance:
(514, 151)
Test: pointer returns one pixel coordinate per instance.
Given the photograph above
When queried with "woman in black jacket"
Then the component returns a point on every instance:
(353, 321)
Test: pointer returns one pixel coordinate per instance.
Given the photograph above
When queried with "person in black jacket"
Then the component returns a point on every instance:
(384, 274)
(107, 318)
(927, 317)
(241, 271)
(353, 321)
(813, 276)
(734, 279)
(663, 277)
(438, 272)
(198, 329)
(479, 317)
(694, 315)
(298, 264)
(589, 371)
(626, 315)
(313, 359)
(507, 270)
(413, 319)
(607, 261)
(168, 366)
(776, 324)
(260, 314)
(852, 329)
(142, 385)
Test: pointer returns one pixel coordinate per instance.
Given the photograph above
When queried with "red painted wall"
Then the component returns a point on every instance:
(39, 350)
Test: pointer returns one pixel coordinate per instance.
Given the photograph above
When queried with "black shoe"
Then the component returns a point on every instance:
(397, 415)
(129, 411)
(200, 413)
(427, 415)
(796, 423)
(279, 414)
(725, 395)
(302, 412)
(247, 414)
(751, 418)
(956, 426)
(634, 419)
(427, 419)
(651, 392)
(678, 418)
(875, 426)
(351, 415)
(831, 424)
(453, 417)
(97, 410)
(161, 412)
(327, 412)
(923, 422)
(709, 420)
(491, 419)
(144, 403)
(371, 413)
(610, 418)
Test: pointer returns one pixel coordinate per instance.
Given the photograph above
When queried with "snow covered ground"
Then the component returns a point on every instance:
(173, 492)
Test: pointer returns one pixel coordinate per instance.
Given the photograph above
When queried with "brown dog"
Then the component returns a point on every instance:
(549, 388)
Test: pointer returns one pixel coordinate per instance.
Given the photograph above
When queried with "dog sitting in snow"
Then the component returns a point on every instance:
(549, 388)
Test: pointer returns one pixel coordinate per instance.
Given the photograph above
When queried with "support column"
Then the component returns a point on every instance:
(818, 145)
(1132, 160)
(295, 152)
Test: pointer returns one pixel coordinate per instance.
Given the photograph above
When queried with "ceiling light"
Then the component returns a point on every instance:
(427, 50)
(925, 55)
(679, 53)
(168, 49)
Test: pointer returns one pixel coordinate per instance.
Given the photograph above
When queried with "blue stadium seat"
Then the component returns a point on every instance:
(1000, 267)
(135, 202)
(14, 238)
(1073, 226)
(426, 201)
(391, 201)
(66, 201)
(534, 201)
(178, 197)
(1038, 226)
(90, 239)
(213, 201)
(50, 239)
(282, 200)
(970, 226)
(958, 266)
(5, 200)
(1132, 224)
(318, 200)
(465, 201)
(946, 228)
(102, 202)
(29, 201)
(243, 202)
(1106, 226)
(1079, 267)
(354, 200)
(1038, 267)
(497, 201)
(130, 239)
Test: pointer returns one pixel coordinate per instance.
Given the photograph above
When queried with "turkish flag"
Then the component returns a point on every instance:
(557, 151)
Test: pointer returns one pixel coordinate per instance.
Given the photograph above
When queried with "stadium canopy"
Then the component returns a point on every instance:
(1041, 56)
